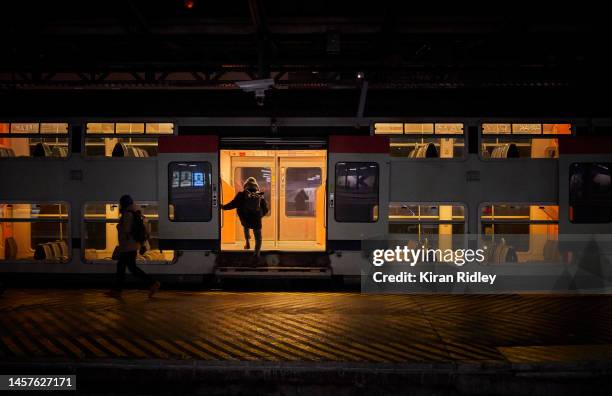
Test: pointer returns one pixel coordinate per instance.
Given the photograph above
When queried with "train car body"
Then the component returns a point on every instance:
(418, 179)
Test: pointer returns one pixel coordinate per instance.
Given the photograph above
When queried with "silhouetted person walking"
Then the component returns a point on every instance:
(251, 207)
(133, 238)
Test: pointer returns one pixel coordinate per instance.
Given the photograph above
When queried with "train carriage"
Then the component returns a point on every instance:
(419, 180)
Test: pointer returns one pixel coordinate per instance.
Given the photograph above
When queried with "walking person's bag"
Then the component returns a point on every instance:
(139, 230)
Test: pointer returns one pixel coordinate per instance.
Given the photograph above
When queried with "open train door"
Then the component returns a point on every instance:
(188, 169)
(358, 197)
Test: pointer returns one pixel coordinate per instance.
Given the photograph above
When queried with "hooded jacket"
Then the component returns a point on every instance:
(248, 219)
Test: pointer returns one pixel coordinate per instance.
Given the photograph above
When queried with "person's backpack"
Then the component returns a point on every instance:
(252, 201)
(139, 228)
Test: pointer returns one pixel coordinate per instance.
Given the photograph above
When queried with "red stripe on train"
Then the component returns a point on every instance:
(358, 144)
(585, 145)
(189, 144)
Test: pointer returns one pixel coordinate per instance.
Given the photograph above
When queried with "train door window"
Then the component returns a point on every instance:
(301, 186)
(190, 195)
(423, 140)
(34, 232)
(520, 232)
(432, 225)
(356, 192)
(590, 192)
(125, 139)
(33, 139)
(501, 141)
(100, 221)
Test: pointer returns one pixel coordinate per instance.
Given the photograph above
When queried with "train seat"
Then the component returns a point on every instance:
(427, 150)
(121, 150)
(57, 251)
(58, 151)
(43, 251)
(7, 152)
(500, 253)
(41, 150)
(507, 150)
(64, 251)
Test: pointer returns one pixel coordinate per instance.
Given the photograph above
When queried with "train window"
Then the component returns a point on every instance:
(522, 140)
(32, 139)
(34, 232)
(387, 128)
(301, 186)
(190, 196)
(428, 224)
(263, 176)
(356, 192)
(590, 192)
(423, 140)
(124, 139)
(159, 128)
(100, 233)
(520, 232)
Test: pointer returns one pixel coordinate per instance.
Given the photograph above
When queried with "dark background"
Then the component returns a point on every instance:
(164, 58)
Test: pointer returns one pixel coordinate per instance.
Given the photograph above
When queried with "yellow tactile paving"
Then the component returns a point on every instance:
(302, 326)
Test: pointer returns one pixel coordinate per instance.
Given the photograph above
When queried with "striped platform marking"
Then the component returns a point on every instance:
(320, 326)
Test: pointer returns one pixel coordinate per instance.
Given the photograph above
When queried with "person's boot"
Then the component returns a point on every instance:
(247, 245)
(154, 288)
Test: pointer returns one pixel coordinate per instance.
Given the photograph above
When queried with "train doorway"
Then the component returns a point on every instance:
(293, 183)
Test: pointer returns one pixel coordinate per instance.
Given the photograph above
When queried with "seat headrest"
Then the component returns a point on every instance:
(41, 150)
(120, 150)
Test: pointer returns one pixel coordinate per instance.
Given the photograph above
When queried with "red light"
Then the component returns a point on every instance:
(189, 4)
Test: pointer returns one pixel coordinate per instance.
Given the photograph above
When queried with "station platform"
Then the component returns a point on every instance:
(312, 333)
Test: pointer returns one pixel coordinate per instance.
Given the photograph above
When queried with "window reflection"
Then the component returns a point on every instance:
(356, 192)
(301, 186)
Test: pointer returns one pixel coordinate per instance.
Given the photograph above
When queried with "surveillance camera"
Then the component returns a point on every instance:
(256, 85)
(259, 87)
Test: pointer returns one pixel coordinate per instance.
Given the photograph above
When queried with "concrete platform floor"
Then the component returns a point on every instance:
(41, 328)
(302, 326)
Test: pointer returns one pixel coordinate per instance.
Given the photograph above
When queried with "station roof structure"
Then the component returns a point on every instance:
(185, 57)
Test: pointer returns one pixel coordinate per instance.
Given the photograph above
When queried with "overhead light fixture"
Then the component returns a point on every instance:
(189, 4)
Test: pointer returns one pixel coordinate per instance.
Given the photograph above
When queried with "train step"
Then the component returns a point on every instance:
(273, 272)
(273, 259)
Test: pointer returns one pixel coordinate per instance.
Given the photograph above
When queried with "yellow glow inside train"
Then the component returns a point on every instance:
(293, 183)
